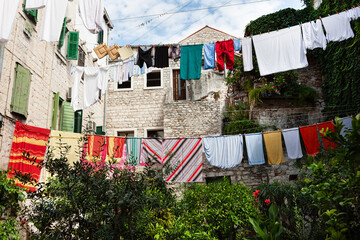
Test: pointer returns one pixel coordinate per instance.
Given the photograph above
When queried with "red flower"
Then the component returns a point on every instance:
(267, 202)
(256, 193)
(23, 221)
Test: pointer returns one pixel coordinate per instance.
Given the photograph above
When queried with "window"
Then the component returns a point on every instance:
(179, 86)
(63, 33)
(21, 91)
(73, 46)
(99, 131)
(153, 79)
(155, 133)
(31, 14)
(81, 60)
(78, 121)
(125, 85)
(101, 37)
(126, 134)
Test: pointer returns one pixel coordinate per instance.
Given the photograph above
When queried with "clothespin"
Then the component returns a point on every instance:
(260, 33)
(337, 12)
(268, 31)
(277, 29)
(288, 26)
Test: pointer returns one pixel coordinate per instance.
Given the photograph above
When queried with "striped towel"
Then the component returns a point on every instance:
(133, 150)
(151, 151)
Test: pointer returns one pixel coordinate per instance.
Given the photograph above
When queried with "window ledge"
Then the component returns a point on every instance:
(153, 88)
(123, 89)
(60, 56)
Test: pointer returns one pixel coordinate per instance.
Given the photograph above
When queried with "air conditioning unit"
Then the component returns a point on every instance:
(69, 94)
(91, 126)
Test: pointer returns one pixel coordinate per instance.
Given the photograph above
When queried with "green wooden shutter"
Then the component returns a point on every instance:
(63, 32)
(73, 45)
(21, 91)
(67, 118)
(99, 131)
(55, 113)
(78, 121)
(101, 37)
(31, 13)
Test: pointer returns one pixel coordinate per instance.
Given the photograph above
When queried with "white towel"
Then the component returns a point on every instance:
(292, 143)
(280, 51)
(8, 10)
(313, 35)
(92, 76)
(247, 54)
(255, 149)
(116, 73)
(103, 83)
(35, 4)
(224, 151)
(92, 14)
(337, 27)
(54, 15)
(76, 87)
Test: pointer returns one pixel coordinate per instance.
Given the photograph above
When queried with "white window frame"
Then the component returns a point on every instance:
(125, 130)
(152, 129)
(116, 89)
(161, 79)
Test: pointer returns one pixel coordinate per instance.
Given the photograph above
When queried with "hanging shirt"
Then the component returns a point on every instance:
(313, 35)
(125, 71)
(292, 143)
(76, 88)
(337, 27)
(191, 61)
(92, 76)
(92, 14)
(144, 56)
(237, 44)
(54, 15)
(254, 147)
(116, 73)
(161, 57)
(274, 147)
(8, 10)
(224, 151)
(280, 51)
(174, 52)
(131, 67)
(327, 126)
(247, 54)
(35, 4)
(310, 138)
(209, 56)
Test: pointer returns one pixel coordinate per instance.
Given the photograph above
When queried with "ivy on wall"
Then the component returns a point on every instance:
(340, 62)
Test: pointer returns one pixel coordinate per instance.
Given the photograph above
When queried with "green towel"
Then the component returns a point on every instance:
(191, 61)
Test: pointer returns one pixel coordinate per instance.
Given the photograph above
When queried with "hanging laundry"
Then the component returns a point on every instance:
(224, 151)
(131, 67)
(92, 77)
(347, 123)
(116, 73)
(174, 51)
(280, 51)
(54, 15)
(29, 140)
(115, 149)
(101, 50)
(133, 150)
(8, 10)
(191, 61)
(274, 147)
(237, 44)
(313, 35)
(113, 52)
(151, 151)
(337, 27)
(310, 138)
(247, 54)
(76, 88)
(357, 12)
(352, 14)
(103, 81)
(184, 158)
(292, 143)
(96, 148)
(327, 126)
(126, 52)
(161, 57)
(209, 56)
(125, 71)
(144, 56)
(254, 147)
(35, 4)
(92, 14)
(225, 51)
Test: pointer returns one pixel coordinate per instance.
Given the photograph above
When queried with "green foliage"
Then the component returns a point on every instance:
(10, 198)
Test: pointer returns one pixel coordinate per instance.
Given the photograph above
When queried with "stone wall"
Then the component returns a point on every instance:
(192, 119)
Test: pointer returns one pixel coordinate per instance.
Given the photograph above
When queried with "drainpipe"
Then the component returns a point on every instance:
(106, 93)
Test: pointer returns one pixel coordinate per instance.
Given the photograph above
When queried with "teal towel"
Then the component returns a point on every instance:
(191, 61)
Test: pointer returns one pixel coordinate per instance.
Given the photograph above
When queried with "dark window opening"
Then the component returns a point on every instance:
(179, 86)
(217, 179)
(153, 79)
(81, 60)
(293, 177)
(126, 134)
(125, 85)
(155, 133)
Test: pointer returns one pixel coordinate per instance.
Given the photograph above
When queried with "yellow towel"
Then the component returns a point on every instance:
(274, 147)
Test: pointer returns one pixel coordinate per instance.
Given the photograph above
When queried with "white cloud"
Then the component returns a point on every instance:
(172, 28)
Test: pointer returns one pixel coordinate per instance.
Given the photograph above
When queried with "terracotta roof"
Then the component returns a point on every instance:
(210, 28)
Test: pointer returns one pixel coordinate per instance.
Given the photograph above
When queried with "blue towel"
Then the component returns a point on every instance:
(224, 151)
(347, 122)
(254, 147)
(209, 56)
(237, 44)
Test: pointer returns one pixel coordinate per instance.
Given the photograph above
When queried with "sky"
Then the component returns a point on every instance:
(229, 16)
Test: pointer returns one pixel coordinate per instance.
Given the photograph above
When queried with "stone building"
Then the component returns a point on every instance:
(35, 75)
(160, 104)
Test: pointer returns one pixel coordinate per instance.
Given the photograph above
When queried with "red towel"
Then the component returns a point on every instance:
(330, 126)
(32, 140)
(310, 137)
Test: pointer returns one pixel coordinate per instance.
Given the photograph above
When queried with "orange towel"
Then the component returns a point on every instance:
(115, 148)
(274, 147)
